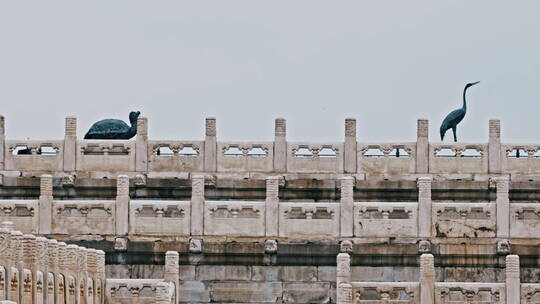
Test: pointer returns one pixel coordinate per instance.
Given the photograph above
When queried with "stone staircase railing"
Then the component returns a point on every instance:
(39, 270)
(44, 271)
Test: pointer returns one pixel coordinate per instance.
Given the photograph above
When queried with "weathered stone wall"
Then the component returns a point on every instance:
(263, 221)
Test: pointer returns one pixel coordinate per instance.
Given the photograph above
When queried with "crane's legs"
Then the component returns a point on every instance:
(455, 135)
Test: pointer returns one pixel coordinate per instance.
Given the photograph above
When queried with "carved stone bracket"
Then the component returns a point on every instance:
(195, 245)
(346, 246)
(424, 246)
(270, 246)
(503, 247)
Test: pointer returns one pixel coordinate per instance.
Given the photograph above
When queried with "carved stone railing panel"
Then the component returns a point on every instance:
(520, 158)
(159, 217)
(23, 213)
(385, 292)
(174, 156)
(530, 293)
(384, 219)
(33, 155)
(245, 156)
(386, 158)
(14, 285)
(477, 293)
(458, 158)
(525, 220)
(138, 291)
(243, 218)
(106, 155)
(309, 219)
(83, 217)
(23, 279)
(464, 219)
(310, 158)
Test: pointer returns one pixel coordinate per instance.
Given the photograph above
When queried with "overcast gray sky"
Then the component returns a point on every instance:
(385, 63)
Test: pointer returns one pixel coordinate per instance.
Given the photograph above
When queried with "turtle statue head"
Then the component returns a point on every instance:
(133, 117)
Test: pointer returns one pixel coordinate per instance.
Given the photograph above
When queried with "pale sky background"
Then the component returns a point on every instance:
(385, 63)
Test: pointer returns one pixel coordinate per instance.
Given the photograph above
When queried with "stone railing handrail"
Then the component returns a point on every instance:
(281, 156)
(140, 291)
(39, 270)
(428, 291)
(197, 216)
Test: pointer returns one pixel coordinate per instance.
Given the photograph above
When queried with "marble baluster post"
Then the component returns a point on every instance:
(343, 279)
(347, 206)
(210, 145)
(70, 144)
(494, 146)
(122, 205)
(427, 279)
(503, 207)
(422, 146)
(349, 154)
(45, 204)
(141, 145)
(172, 273)
(280, 145)
(513, 284)
(424, 207)
(197, 205)
(272, 206)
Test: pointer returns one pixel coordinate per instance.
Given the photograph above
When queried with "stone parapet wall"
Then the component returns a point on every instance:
(425, 217)
(201, 221)
(170, 157)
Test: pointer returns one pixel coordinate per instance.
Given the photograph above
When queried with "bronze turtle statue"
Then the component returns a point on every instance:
(114, 128)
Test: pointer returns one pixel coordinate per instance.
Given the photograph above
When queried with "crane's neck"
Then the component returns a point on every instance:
(464, 99)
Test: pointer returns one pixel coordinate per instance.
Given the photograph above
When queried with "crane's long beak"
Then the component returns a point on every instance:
(475, 83)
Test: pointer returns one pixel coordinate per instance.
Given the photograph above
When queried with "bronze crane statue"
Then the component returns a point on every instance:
(451, 121)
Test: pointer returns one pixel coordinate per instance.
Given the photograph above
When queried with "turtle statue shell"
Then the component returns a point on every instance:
(114, 128)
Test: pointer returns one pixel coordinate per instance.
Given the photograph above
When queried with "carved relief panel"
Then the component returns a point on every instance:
(458, 158)
(159, 217)
(392, 158)
(23, 214)
(131, 290)
(524, 220)
(32, 155)
(374, 219)
(470, 293)
(530, 293)
(386, 292)
(175, 156)
(520, 159)
(308, 157)
(234, 218)
(83, 217)
(245, 156)
(464, 219)
(309, 219)
(108, 156)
